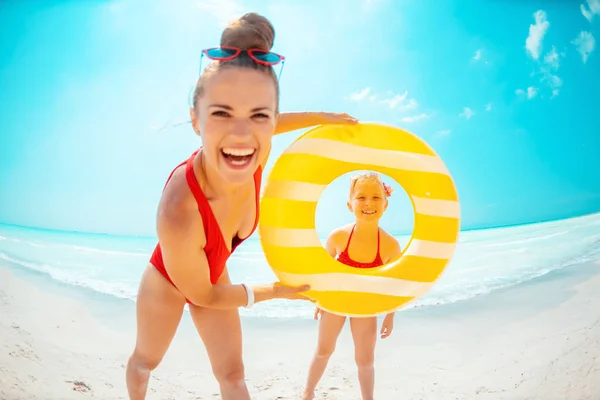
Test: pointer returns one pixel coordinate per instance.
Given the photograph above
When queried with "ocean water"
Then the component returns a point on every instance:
(485, 261)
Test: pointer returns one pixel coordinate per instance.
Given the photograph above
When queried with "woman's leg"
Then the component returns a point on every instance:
(221, 332)
(364, 334)
(330, 327)
(159, 310)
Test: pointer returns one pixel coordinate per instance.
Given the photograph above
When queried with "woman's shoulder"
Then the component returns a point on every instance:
(177, 210)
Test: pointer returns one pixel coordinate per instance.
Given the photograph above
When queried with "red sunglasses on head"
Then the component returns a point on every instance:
(225, 53)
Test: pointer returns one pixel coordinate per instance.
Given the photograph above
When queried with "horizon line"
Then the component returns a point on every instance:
(91, 233)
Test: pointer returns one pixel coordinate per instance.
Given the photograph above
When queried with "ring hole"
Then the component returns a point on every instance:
(332, 210)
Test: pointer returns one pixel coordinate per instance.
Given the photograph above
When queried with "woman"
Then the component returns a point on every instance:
(210, 205)
(360, 245)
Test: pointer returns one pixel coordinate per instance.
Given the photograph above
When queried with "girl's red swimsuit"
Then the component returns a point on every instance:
(344, 257)
(215, 249)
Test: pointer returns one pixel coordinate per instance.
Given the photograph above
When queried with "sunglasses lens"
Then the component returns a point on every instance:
(220, 53)
(266, 56)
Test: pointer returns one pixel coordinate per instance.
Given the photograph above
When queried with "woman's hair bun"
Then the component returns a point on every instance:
(251, 31)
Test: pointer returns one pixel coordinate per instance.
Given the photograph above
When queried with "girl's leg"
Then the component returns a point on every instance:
(221, 332)
(364, 334)
(330, 327)
(159, 310)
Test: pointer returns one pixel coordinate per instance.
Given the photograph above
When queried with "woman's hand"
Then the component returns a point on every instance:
(387, 326)
(281, 291)
(338, 118)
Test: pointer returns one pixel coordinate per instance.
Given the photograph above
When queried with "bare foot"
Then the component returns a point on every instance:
(308, 396)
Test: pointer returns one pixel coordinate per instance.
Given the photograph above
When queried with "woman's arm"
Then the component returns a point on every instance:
(292, 121)
(182, 239)
(298, 120)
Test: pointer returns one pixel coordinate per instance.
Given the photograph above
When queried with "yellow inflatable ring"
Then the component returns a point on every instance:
(288, 205)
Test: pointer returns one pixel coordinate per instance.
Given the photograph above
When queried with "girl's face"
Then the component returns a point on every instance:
(368, 200)
(236, 118)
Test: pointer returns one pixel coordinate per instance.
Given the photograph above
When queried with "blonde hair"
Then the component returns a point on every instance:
(370, 177)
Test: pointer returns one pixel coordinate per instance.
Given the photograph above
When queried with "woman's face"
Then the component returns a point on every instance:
(236, 117)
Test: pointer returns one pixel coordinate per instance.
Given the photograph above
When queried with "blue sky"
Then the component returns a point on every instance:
(504, 91)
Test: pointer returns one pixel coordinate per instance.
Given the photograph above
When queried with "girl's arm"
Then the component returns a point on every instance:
(292, 121)
(331, 244)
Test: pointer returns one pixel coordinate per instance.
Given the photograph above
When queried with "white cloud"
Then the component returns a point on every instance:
(537, 31)
(548, 70)
(360, 95)
(411, 105)
(395, 100)
(552, 59)
(592, 9)
(488, 107)
(553, 81)
(415, 118)
(547, 67)
(585, 44)
(530, 93)
(478, 57)
(391, 100)
(467, 113)
(443, 132)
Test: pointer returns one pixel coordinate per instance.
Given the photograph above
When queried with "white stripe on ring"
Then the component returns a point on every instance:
(311, 192)
(293, 237)
(346, 152)
(356, 283)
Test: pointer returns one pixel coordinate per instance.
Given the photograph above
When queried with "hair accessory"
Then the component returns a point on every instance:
(259, 56)
(388, 189)
(226, 53)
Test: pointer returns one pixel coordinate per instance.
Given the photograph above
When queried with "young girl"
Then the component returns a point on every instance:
(360, 245)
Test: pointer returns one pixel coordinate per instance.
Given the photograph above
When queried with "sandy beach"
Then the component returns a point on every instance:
(539, 340)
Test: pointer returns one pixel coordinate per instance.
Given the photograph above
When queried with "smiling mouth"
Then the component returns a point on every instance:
(369, 212)
(238, 157)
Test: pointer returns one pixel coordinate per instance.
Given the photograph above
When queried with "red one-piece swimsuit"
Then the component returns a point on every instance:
(216, 250)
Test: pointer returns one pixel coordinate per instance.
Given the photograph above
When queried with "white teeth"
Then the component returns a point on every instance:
(234, 162)
(238, 152)
(369, 212)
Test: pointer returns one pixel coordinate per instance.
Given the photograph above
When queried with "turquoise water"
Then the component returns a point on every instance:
(485, 261)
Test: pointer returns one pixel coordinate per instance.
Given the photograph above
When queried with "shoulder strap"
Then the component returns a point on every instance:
(349, 238)
(208, 217)
(257, 187)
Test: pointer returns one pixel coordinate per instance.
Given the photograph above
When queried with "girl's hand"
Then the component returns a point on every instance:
(318, 312)
(338, 118)
(387, 326)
